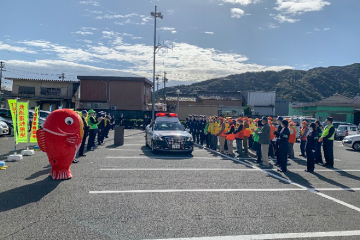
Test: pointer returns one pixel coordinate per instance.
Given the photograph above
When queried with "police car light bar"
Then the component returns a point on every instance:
(161, 114)
(166, 115)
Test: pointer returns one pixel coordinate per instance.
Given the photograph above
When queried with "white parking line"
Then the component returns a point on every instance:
(277, 236)
(218, 169)
(165, 157)
(223, 190)
(291, 182)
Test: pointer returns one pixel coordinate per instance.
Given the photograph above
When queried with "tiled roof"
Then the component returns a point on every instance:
(115, 78)
(182, 97)
(234, 96)
(336, 100)
(43, 80)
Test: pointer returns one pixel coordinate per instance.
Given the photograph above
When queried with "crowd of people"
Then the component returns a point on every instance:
(95, 125)
(266, 137)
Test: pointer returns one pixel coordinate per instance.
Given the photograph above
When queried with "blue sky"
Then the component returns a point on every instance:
(209, 38)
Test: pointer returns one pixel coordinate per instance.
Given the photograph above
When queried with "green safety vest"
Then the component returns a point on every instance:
(326, 132)
(92, 125)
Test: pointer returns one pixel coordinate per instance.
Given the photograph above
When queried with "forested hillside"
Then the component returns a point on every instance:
(295, 85)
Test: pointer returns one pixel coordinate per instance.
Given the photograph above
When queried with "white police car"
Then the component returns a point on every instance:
(167, 134)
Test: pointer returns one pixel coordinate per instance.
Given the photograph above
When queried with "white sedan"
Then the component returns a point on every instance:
(352, 141)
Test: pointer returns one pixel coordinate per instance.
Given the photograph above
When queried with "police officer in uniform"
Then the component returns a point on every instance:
(93, 124)
(318, 157)
(197, 129)
(328, 140)
(202, 124)
(283, 146)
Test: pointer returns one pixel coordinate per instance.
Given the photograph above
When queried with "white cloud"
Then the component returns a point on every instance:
(173, 32)
(83, 33)
(290, 8)
(316, 29)
(88, 29)
(326, 29)
(241, 2)
(282, 19)
(167, 28)
(90, 2)
(4, 46)
(236, 12)
(300, 6)
(115, 16)
(185, 62)
(272, 26)
(210, 33)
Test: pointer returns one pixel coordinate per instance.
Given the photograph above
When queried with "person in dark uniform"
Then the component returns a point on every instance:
(318, 155)
(107, 125)
(197, 129)
(311, 146)
(201, 129)
(93, 124)
(101, 129)
(191, 126)
(328, 141)
(283, 146)
(86, 132)
(276, 144)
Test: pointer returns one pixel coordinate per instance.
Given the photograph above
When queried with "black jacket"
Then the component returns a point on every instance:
(312, 141)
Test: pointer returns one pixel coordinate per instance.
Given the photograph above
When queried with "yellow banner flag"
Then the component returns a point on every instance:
(22, 121)
(34, 126)
(12, 106)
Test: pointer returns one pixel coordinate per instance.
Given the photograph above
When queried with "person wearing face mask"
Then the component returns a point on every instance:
(318, 157)
(311, 146)
(230, 137)
(283, 146)
(303, 135)
(328, 140)
(277, 135)
(222, 134)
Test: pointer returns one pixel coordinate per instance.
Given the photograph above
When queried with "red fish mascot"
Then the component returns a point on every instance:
(61, 139)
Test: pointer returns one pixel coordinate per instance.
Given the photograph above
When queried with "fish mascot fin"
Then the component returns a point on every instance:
(41, 139)
(71, 140)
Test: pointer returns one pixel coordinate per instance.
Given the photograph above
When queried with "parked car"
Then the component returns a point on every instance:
(4, 128)
(345, 130)
(352, 141)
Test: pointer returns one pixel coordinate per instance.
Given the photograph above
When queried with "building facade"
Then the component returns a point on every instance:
(206, 103)
(115, 93)
(44, 92)
(262, 103)
(339, 107)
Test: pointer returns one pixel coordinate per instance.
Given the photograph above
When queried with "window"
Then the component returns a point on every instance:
(26, 90)
(353, 129)
(51, 91)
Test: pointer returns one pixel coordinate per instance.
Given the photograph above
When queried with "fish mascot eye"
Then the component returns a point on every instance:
(69, 121)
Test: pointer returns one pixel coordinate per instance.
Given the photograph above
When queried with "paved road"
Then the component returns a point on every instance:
(129, 193)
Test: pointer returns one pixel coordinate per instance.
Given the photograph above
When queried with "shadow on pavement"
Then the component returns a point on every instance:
(38, 174)
(27, 194)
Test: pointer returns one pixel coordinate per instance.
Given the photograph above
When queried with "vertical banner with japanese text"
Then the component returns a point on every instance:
(12, 106)
(34, 126)
(22, 121)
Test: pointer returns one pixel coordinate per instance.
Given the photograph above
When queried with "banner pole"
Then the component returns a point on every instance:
(28, 139)
(15, 132)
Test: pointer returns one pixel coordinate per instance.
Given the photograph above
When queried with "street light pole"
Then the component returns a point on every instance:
(177, 109)
(155, 15)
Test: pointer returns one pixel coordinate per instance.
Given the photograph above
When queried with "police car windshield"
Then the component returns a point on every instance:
(166, 126)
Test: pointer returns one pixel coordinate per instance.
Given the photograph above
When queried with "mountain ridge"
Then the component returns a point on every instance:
(294, 85)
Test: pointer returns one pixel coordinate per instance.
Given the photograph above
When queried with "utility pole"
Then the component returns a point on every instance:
(157, 87)
(155, 15)
(164, 80)
(2, 67)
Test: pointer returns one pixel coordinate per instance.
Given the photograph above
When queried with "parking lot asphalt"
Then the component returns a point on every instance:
(127, 192)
